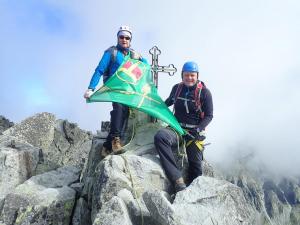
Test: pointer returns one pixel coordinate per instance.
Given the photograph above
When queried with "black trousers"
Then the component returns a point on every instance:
(118, 120)
(166, 139)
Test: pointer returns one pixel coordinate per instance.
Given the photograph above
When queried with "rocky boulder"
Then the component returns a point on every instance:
(130, 188)
(18, 161)
(134, 173)
(206, 201)
(70, 145)
(61, 142)
(37, 130)
(274, 198)
(4, 124)
(43, 199)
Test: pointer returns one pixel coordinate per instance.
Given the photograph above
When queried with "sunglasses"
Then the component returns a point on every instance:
(124, 37)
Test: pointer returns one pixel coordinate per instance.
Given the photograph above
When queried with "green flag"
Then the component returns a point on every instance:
(132, 85)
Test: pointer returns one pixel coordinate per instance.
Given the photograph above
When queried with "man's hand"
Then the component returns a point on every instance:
(194, 134)
(88, 93)
(188, 136)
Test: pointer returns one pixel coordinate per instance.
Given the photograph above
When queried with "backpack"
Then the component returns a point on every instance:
(197, 94)
(113, 55)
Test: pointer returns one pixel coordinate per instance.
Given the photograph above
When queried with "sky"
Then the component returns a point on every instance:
(248, 53)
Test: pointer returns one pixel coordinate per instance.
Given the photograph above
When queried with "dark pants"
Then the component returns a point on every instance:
(118, 119)
(166, 139)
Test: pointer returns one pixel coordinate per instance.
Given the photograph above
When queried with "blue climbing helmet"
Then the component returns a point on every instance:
(190, 66)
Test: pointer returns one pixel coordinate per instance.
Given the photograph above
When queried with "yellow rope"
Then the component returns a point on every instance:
(130, 175)
(133, 186)
(132, 135)
(183, 152)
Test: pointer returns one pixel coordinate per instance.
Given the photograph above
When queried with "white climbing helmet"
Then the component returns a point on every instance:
(125, 31)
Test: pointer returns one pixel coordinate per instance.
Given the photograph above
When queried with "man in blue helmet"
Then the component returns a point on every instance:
(109, 63)
(193, 108)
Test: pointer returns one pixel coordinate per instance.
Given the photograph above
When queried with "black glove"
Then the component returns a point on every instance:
(190, 135)
(193, 134)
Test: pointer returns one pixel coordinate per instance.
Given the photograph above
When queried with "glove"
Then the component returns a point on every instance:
(88, 93)
(193, 134)
(188, 136)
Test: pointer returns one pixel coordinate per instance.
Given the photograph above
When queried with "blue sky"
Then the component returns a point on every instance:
(248, 53)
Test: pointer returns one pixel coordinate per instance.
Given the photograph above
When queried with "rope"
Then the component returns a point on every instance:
(132, 135)
(133, 186)
(183, 152)
(133, 131)
(213, 221)
(130, 175)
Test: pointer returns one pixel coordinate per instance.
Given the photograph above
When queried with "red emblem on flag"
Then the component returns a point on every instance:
(132, 70)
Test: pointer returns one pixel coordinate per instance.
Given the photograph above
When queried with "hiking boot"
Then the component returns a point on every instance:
(105, 152)
(116, 145)
(179, 185)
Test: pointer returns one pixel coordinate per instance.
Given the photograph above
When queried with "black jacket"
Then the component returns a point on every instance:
(192, 117)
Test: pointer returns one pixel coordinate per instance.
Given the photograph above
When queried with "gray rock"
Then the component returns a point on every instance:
(4, 124)
(142, 143)
(129, 188)
(18, 161)
(295, 215)
(62, 143)
(252, 190)
(90, 174)
(70, 146)
(276, 204)
(206, 201)
(82, 215)
(113, 212)
(64, 176)
(37, 130)
(43, 199)
(78, 187)
(161, 209)
(209, 171)
(215, 200)
(94, 158)
(36, 205)
(137, 209)
(291, 190)
(74, 134)
(274, 199)
(134, 173)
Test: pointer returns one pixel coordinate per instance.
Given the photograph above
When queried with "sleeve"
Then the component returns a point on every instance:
(170, 100)
(100, 70)
(207, 108)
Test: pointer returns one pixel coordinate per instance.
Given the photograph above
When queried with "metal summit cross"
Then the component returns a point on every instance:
(170, 69)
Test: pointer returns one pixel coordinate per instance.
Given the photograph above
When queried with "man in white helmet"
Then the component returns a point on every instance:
(109, 63)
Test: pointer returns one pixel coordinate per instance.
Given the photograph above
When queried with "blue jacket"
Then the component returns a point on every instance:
(106, 66)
